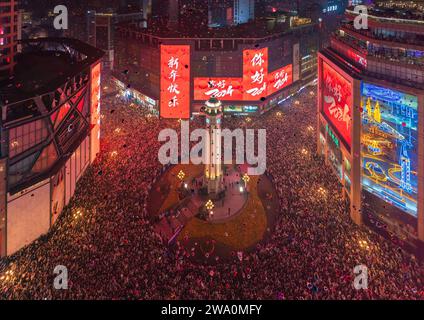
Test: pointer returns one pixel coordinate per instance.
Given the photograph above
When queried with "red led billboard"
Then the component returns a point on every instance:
(225, 89)
(255, 74)
(357, 58)
(337, 101)
(280, 79)
(175, 82)
(95, 110)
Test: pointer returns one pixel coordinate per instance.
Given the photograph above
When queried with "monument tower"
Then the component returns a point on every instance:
(213, 158)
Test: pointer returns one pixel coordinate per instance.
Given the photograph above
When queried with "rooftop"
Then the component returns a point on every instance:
(394, 14)
(260, 28)
(44, 65)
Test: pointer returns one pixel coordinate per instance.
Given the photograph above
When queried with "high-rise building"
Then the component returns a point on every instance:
(9, 29)
(221, 13)
(49, 133)
(217, 61)
(199, 13)
(230, 12)
(244, 11)
(97, 28)
(371, 119)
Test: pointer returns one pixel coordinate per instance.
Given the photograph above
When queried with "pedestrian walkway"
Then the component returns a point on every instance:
(234, 201)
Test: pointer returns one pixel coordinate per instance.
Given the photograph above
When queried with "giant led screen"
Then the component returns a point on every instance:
(255, 74)
(337, 101)
(279, 79)
(389, 146)
(95, 110)
(225, 89)
(175, 82)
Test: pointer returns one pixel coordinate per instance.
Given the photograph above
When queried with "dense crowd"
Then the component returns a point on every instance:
(112, 252)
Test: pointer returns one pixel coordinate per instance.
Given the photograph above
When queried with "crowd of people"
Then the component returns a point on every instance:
(112, 252)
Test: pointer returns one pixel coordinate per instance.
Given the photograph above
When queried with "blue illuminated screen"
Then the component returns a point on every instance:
(389, 146)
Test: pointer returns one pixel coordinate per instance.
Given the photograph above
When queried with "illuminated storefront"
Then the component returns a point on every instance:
(241, 110)
(134, 96)
(334, 153)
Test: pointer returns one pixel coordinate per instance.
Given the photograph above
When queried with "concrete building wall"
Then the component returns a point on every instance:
(28, 216)
(420, 223)
(58, 195)
(3, 193)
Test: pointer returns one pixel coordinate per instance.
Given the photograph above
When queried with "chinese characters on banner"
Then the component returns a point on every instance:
(175, 82)
(357, 58)
(232, 89)
(255, 74)
(95, 111)
(337, 101)
(280, 79)
(225, 89)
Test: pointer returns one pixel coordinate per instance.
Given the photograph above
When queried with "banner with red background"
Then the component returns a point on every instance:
(225, 89)
(255, 73)
(175, 82)
(280, 79)
(337, 101)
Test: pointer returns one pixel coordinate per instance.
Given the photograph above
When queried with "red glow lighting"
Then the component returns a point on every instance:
(337, 101)
(255, 73)
(175, 82)
(225, 89)
(280, 79)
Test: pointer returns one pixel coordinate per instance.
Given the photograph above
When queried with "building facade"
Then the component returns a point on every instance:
(370, 106)
(248, 72)
(49, 135)
(9, 30)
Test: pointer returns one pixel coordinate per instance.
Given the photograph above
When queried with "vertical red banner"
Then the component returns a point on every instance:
(95, 111)
(337, 101)
(175, 82)
(255, 74)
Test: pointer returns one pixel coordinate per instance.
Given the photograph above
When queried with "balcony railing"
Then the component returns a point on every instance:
(399, 56)
(372, 36)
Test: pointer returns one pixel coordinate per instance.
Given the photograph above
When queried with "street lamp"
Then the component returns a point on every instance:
(181, 175)
(246, 179)
(209, 205)
(77, 214)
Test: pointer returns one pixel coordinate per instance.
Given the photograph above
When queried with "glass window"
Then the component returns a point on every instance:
(26, 136)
